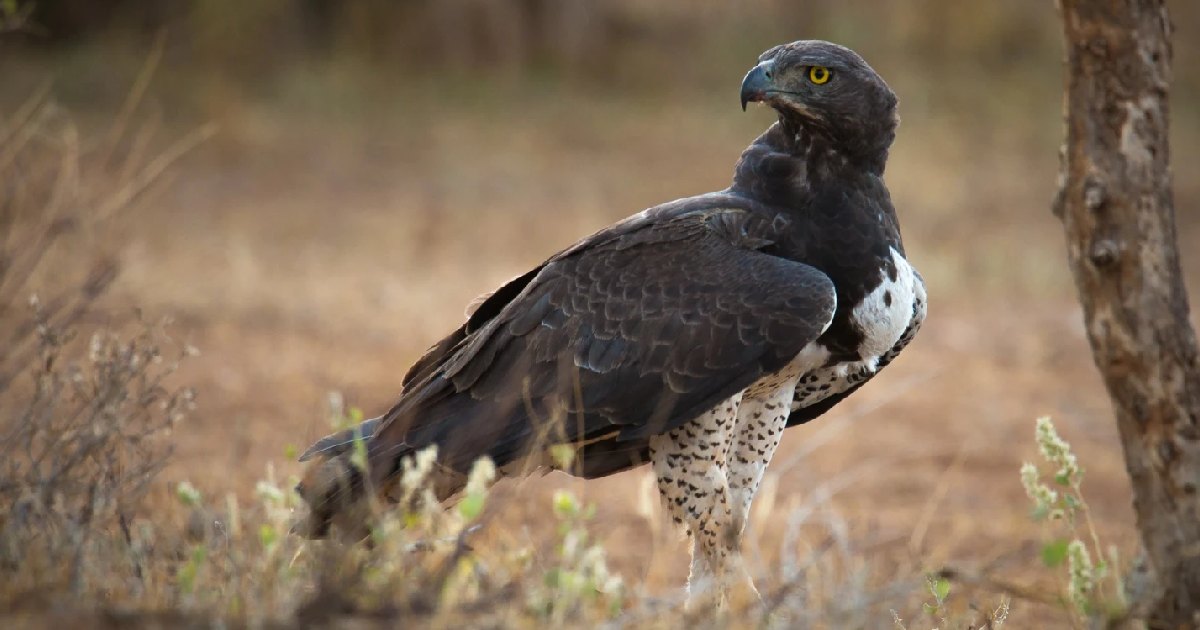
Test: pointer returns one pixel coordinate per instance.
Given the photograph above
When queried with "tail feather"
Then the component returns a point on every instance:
(334, 491)
(338, 493)
(334, 487)
(338, 443)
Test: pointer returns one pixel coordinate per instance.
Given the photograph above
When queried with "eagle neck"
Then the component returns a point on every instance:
(827, 153)
(790, 163)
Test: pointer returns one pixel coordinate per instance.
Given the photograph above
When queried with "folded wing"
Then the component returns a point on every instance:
(624, 336)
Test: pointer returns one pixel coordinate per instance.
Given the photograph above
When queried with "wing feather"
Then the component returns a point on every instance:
(623, 336)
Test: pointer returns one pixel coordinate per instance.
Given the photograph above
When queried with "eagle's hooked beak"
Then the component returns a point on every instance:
(757, 82)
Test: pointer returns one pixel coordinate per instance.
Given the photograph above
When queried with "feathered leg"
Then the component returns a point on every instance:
(689, 463)
(760, 424)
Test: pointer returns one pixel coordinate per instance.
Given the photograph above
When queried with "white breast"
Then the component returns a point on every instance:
(885, 312)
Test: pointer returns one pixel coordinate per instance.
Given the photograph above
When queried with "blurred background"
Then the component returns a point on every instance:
(345, 176)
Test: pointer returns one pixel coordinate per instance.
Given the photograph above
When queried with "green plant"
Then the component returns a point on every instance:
(1093, 587)
(579, 578)
(939, 588)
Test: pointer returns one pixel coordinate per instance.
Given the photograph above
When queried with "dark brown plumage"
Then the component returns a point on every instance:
(777, 297)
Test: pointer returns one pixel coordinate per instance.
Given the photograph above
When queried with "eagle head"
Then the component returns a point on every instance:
(828, 91)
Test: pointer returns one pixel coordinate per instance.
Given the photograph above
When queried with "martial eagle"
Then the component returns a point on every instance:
(689, 335)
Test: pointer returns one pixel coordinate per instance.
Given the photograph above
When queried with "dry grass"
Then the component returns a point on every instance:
(321, 245)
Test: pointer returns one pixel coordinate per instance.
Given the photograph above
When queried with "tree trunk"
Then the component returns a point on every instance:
(1116, 206)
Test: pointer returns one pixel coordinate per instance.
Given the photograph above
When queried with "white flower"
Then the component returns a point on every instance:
(187, 493)
(417, 469)
(1057, 451)
(483, 473)
(1082, 579)
(1043, 497)
(95, 348)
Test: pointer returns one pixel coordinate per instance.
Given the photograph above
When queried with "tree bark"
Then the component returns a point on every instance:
(1116, 206)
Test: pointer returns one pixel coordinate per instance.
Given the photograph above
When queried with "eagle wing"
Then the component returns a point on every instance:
(624, 336)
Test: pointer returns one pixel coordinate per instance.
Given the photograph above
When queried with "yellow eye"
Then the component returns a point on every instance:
(819, 74)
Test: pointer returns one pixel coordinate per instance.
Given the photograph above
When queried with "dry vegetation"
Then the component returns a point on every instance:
(349, 208)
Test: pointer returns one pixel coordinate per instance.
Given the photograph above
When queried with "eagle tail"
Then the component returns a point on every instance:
(340, 442)
(333, 486)
(338, 490)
